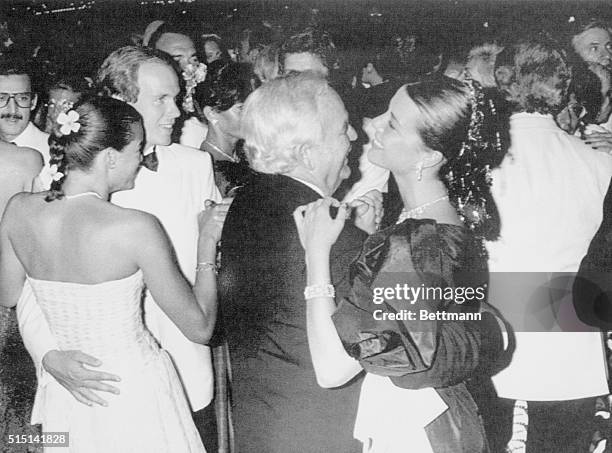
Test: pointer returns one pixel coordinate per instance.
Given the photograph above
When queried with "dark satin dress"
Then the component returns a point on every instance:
(424, 353)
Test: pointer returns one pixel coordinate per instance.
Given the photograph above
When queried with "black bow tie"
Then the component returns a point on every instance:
(150, 161)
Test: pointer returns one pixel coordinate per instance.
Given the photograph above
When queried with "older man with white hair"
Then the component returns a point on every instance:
(297, 136)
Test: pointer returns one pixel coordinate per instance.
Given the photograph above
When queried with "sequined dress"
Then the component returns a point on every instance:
(104, 320)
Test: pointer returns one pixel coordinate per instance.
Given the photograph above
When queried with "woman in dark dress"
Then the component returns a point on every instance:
(218, 101)
(439, 140)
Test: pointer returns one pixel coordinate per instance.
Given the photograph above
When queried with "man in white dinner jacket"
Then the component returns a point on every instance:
(174, 186)
(549, 191)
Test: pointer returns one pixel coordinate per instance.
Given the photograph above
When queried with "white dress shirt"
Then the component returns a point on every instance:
(34, 138)
(175, 194)
(549, 191)
(193, 133)
(373, 177)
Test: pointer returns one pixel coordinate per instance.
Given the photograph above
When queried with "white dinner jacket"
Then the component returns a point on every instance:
(549, 191)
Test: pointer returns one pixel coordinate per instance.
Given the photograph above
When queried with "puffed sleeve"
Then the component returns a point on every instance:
(413, 349)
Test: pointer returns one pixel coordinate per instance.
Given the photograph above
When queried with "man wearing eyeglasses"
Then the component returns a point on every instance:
(17, 101)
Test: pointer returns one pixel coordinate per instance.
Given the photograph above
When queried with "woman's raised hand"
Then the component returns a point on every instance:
(317, 229)
(368, 211)
(211, 219)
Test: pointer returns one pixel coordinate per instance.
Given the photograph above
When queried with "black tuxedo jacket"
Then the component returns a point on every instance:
(593, 284)
(278, 406)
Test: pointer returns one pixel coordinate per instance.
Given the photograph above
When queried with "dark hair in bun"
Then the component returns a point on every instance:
(104, 123)
(470, 128)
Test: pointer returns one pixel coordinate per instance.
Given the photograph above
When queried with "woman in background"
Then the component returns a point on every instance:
(219, 102)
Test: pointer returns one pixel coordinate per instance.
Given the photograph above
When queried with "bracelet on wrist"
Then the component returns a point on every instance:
(313, 291)
(206, 266)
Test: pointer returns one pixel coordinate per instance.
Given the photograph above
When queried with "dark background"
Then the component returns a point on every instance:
(86, 31)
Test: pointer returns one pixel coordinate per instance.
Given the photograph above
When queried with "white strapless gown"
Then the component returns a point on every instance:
(151, 414)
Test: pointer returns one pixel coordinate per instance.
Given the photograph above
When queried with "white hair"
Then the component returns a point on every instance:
(282, 115)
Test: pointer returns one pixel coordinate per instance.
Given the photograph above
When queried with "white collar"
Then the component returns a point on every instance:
(309, 184)
(533, 120)
(28, 131)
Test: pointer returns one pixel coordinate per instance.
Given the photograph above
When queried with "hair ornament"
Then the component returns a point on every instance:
(55, 174)
(470, 193)
(193, 75)
(63, 105)
(69, 122)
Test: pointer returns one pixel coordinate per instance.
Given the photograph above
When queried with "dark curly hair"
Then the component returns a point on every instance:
(104, 123)
(226, 84)
(586, 87)
(166, 27)
(311, 40)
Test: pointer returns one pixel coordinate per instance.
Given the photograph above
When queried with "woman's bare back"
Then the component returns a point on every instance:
(81, 240)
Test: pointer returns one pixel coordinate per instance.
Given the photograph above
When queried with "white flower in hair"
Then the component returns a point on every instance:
(55, 175)
(69, 122)
(193, 75)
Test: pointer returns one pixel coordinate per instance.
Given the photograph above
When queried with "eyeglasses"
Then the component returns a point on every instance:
(22, 100)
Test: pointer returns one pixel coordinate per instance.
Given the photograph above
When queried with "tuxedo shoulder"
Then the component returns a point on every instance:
(191, 156)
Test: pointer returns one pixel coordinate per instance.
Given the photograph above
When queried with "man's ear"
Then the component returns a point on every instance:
(34, 101)
(304, 153)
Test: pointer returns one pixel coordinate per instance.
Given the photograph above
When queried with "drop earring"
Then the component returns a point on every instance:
(419, 171)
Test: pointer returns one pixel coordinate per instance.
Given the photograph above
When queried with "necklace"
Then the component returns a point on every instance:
(220, 151)
(83, 194)
(416, 212)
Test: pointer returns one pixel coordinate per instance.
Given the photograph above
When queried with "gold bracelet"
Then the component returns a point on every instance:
(206, 266)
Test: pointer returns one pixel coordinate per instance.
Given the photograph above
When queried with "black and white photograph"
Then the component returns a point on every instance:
(318, 226)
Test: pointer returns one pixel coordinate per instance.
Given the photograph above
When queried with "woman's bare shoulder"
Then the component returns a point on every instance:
(22, 204)
(26, 162)
(133, 224)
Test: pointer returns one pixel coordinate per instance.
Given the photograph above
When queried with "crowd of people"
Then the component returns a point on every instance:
(260, 250)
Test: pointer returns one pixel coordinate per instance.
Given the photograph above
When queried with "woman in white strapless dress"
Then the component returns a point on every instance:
(87, 261)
